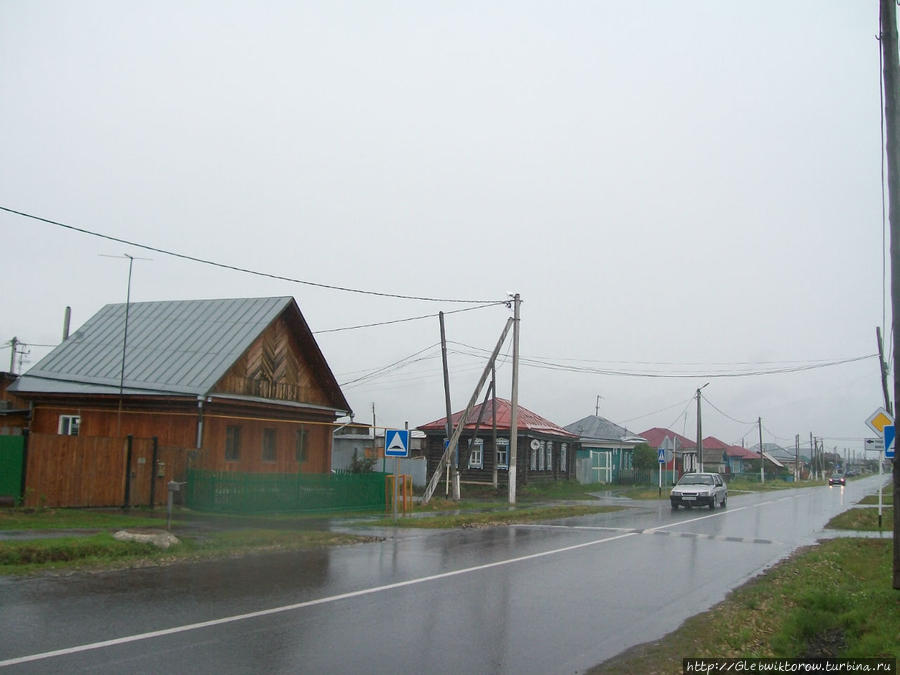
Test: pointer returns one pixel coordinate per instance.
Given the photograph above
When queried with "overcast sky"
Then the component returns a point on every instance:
(672, 187)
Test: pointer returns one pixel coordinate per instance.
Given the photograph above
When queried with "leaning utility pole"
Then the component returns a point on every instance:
(891, 65)
(464, 418)
(450, 471)
(762, 457)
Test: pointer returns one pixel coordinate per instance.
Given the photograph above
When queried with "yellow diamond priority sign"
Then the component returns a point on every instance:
(878, 420)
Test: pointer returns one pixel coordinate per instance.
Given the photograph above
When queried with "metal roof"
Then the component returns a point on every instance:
(594, 427)
(527, 420)
(179, 347)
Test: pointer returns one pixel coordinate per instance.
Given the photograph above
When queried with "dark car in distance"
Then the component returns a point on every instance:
(837, 479)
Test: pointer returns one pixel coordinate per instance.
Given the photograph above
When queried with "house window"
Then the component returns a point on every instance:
(268, 446)
(476, 454)
(69, 424)
(532, 464)
(300, 445)
(502, 453)
(563, 457)
(549, 455)
(232, 444)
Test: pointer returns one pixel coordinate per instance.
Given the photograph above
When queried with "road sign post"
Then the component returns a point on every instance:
(396, 445)
(661, 458)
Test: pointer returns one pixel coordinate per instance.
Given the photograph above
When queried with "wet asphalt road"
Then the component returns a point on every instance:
(550, 598)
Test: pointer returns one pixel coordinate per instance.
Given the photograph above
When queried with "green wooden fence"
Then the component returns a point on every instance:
(12, 463)
(233, 492)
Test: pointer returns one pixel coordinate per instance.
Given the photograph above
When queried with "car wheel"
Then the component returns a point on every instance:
(712, 503)
(674, 507)
(724, 501)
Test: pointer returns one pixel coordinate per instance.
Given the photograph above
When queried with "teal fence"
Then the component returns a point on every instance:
(283, 493)
(12, 464)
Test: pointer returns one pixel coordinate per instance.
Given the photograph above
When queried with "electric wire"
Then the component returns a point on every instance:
(668, 407)
(555, 364)
(245, 270)
(722, 412)
(411, 318)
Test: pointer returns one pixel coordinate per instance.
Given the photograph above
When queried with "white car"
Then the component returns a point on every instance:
(699, 489)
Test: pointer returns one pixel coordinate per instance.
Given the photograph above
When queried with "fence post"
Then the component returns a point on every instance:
(128, 440)
(153, 472)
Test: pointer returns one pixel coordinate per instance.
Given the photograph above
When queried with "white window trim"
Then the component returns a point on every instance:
(502, 443)
(68, 423)
(476, 456)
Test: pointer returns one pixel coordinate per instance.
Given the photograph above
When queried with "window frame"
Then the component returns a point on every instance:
(476, 454)
(233, 443)
(69, 425)
(301, 445)
(504, 444)
(270, 445)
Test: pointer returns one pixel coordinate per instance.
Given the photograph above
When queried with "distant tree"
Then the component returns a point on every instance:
(645, 457)
(361, 464)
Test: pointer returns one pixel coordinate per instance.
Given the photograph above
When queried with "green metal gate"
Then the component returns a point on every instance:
(233, 492)
(12, 465)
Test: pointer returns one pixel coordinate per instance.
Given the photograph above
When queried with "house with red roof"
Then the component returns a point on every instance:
(714, 457)
(681, 451)
(545, 451)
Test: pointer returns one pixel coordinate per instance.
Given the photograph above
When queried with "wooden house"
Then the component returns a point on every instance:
(240, 383)
(605, 449)
(545, 451)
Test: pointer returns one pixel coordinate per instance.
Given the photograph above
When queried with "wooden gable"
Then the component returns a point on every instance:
(275, 368)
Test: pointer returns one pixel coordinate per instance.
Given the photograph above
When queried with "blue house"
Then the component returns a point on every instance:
(606, 449)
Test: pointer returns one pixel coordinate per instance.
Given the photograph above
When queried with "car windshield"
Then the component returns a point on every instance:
(695, 480)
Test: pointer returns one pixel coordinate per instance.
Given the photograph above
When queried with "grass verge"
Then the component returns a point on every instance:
(886, 498)
(864, 520)
(491, 518)
(68, 519)
(101, 551)
(832, 599)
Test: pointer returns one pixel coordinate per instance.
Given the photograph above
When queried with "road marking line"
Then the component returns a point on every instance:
(298, 605)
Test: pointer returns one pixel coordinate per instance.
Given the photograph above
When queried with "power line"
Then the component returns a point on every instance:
(555, 364)
(411, 318)
(267, 275)
(721, 412)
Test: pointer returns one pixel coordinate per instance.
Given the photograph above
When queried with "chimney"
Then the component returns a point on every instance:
(66, 321)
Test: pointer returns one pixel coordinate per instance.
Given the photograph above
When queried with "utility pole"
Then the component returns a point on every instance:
(884, 372)
(597, 407)
(891, 65)
(700, 430)
(12, 356)
(812, 475)
(514, 402)
(797, 457)
(762, 457)
(451, 468)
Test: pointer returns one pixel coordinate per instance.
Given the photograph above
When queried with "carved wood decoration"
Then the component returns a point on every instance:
(274, 368)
